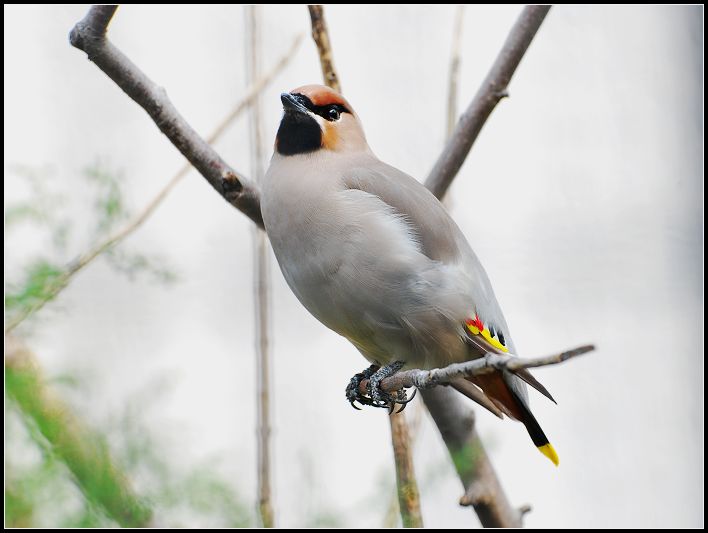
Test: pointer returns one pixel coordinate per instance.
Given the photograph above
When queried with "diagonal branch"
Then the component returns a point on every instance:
(456, 423)
(83, 260)
(89, 35)
(493, 89)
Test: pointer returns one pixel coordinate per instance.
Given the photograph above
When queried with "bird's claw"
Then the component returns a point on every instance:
(375, 396)
(353, 393)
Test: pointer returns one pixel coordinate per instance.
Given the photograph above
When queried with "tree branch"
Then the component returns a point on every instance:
(408, 495)
(492, 90)
(456, 423)
(324, 47)
(261, 285)
(89, 35)
(491, 362)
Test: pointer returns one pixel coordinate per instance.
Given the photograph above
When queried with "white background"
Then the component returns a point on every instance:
(582, 197)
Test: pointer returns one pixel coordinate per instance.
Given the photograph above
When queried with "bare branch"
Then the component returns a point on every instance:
(112, 240)
(408, 495)
(89, 35)
(492, 90)
(84, 453)
(324, 47)
(261, 284)
(491, 362)
(456, 423)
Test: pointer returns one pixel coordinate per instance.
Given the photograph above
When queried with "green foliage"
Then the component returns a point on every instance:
(83, 452)
(42, 279)
(46, 274)
(109, 205)
(71, 457)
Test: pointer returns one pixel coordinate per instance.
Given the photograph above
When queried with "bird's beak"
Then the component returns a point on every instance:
(292, 103)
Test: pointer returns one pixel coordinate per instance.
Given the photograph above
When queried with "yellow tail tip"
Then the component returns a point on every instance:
(549, 452)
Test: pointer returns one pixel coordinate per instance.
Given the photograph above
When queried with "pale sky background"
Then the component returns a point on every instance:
(583, 198)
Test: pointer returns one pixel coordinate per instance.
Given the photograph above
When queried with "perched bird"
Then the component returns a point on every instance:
(374, 256)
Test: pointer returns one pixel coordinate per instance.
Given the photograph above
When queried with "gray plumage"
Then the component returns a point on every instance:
(370, 252)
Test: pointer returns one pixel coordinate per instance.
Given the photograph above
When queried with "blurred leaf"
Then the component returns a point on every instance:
(85, 453)
(41, 280)
(109, 204)
(22, 212)
(134, 264)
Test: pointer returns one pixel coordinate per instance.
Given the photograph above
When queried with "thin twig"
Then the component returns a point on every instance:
(491, 362)
(454, 75)
(408, 495)
(84, 453)
(261, 284)
(89, 35)
(492, 90)
(92, 253)
(324, 47)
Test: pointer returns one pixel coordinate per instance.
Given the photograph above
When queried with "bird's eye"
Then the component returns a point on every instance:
(333, 113)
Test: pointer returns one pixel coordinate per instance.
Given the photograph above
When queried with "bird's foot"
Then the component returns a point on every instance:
(352, 391)
(375, 396)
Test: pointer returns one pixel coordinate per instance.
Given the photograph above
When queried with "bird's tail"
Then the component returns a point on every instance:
(505, 397)
(536, 433)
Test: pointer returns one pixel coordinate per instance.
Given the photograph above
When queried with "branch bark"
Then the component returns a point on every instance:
(493, 89)
(324, 47)
(456, 423)
(261, 285)
(492, 362)
(408, 495)
(89, 35)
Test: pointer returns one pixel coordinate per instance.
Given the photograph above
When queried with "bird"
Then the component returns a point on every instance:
(375, 257)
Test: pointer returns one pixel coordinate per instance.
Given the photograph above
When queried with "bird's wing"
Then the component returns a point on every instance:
(440, 239)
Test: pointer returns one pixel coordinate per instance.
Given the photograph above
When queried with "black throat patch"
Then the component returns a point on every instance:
(298, 133)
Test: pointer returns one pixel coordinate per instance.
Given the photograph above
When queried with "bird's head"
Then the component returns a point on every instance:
(318, 118)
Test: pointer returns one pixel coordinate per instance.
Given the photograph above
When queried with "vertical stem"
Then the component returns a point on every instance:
(453, 80)
(261, 285)
(408, 496)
